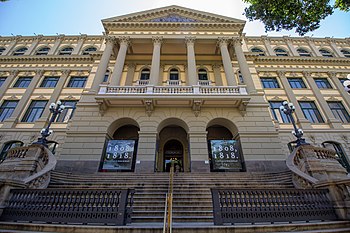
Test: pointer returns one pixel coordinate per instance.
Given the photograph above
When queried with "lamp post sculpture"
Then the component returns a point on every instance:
(55, 109)
(288, 109)
(346, 84)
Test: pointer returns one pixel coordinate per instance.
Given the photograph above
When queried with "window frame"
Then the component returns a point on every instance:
(202, 74)
(7, 111)
(65, 52)
(326, 53)
(23, 82)
(172, 73)
(42, 52)
(145, 74)
(323, 83)
(66, 114)
(75, 79)
(345, 52)
(88, 50)
(272, 80)
(17, 52)
(277, 113)
(339, 113)
(8, 146)
(2, 50)
(281, 53)
(311, 113)
(293, 81)
(2, 80)
(47, 81)
(260, 52)
(33, 112)
(303, 53)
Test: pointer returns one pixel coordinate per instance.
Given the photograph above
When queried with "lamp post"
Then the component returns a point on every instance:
(55, 109)
(288, 109)
(346, 84)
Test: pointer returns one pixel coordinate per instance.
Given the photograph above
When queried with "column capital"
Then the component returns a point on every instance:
(281, 73)
(131, 65)
(157, 39)
(332, 74)
(307, 74)
(190, 40)
(14, 72)
(65, 72)
(237, 41)
(217, 66)
(39, 72)
(110, 40)
(124, 40)
(223, 41)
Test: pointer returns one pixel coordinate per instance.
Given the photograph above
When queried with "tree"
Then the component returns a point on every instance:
(303, 15)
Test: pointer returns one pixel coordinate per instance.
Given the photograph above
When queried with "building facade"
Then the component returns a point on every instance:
(174, 83)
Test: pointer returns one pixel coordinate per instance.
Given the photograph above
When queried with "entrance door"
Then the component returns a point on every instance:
(173, 150)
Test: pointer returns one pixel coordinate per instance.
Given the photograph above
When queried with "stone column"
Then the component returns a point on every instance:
(102, 67)
(268, 46)
(330, 118)
(217, 74)
(7, 82)
(290, 45)
(226, 60)
(130, 74)
(336, 50)
(34, 44)
(146, 152)
(57, 44)
(81, 41)
(199, 151)
(312, 45)
(11, 46)
(124, 42)
(157, 43)
(340, 87)
(40, 123)
(304, 123)
(191, 61)
(243, 65)
(13, 120)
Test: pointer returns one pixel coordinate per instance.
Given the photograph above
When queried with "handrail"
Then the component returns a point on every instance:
(168, 213)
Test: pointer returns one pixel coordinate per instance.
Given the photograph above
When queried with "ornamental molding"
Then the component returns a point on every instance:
(48, 58)
(174, 18)
(302, 60)
(305, 98)
(124, 40)
(190, 40)
(223, 41)
(332, 98)
(277, 98)
(196, 107)
(149, 105)
(157, 39)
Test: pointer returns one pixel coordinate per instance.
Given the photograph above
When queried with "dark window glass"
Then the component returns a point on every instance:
(339, 111)
(20, 51)
(7, 146)
(257, 50)
(240, 77)
(43, 51)
(7, 108)
(296, 83)
(89, 50)
(34, 111)
(325, 53)
(145, 74)
(66, 51)
(345, 52)
(303, 53)
(68, 111)
(311, 112)
(202, 74)
(269, 82)
(322, 83)
(281, 52)
(174, 74)
(2, 80)
(77, 81)
(342, 80)
(49, 82)
(23, 82)
(106, 77)
(2, 49)
(277, 113)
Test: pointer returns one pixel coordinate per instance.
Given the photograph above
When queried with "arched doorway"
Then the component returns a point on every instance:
(225, 153)
(173, 150)
(340, 153)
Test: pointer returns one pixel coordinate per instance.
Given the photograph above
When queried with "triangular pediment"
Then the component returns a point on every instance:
(173, 14)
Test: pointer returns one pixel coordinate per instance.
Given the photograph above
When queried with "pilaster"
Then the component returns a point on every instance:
(7, 83)
(11, 46)
(336, 50)
(130, 74)
(340, 87)
(290, 45)
(199, 152)
(146, 152)
(217, 74)
(312, 45)
(124, 42)
(57, 44)
(80, 44)
(34, 44)
(268, 46)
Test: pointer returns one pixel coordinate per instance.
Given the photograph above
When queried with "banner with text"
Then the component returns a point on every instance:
(225, 155)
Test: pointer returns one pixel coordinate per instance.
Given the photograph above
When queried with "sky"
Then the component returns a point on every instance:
(74, 17)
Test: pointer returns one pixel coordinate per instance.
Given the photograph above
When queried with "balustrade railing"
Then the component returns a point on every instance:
(142, 82)
(204, 82)
(287, 205)
(173, 82)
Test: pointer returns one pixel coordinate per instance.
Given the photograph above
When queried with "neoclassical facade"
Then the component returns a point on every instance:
(174, 83)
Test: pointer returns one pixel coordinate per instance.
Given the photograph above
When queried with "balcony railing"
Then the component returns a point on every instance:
(142, 82)
(204, 82)
(196, 90)
(173, 82)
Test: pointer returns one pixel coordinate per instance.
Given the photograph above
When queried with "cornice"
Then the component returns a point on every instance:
(47, 58)
(304, 60)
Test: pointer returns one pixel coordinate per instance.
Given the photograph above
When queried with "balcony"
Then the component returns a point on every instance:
(173, 96)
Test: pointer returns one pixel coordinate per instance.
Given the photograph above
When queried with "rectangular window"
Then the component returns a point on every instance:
(7, 108)
(277, 113)
(77, 81)
(68, 111)
(2, 80)
(342, 80)
(23, 82)
(311, 112)
(269, 83)
(49, 82)
(35, 110)
(296, 83)
(322, 83)
(339, 111)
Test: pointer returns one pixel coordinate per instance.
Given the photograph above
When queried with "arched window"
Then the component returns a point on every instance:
(88, 50)
(145, 74)
(202, 74)
(281, 52)
(240, 77)
(259, 51)
(174, 74)
(106, 77)
(325, 53)
(43, 51)
(66, 51)
(340, 153)
(20, 51)
(2, 49)
(7, 146)
(345, 52)
(303, 53)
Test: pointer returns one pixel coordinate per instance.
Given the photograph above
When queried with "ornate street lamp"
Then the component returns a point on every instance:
(288, 109)
(346, 84)
(55, 109)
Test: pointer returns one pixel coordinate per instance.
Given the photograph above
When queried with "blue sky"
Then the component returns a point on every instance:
(71, 17)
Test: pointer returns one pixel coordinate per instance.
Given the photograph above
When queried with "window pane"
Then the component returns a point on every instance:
(277, 113)
(20, 52)
(23, 82)
(49, 82)
(68, 111)
(145, 74)
(269, 82)
(339, 111)
(77, 81)
(202, 74)
(2, 49)
(43, 51)
(7, 108)
(34, 111)
(89, 50)
(296, 83)
(322, 83)
(2, 80)
(311, 112)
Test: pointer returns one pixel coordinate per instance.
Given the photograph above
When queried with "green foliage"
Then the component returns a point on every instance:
(343, 5)
(303, 15)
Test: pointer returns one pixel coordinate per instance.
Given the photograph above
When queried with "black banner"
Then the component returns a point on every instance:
(225, 155)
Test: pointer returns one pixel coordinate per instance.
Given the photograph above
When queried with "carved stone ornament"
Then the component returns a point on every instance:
(13, 97)
(305, 98)
(277, 98)
(173, 18)
(217, 66)
(124, 40)
(131, 65)
(223, 41)
(243, 107)
(332, 98)
(102, 106)
(196, 107)
(149, 107)
(332, 74)
(190, 40)
(41, 97)
(110, 39)
(281, 73)
(60, 37)
(65, 72)
(157, 39)
(70, 97)
(237, 41)
(307, 74)
(39, 72)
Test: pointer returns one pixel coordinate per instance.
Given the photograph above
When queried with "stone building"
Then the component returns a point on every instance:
(174, 83)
